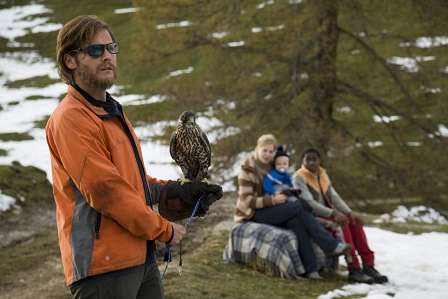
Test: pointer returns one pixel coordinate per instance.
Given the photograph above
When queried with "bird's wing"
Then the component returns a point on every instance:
(173, 146)
(206, 143)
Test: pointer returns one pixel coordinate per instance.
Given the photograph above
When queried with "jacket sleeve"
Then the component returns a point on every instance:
(338, 202)
(268, 185)
(79, 145)
(318, 209)
(156, 188)
(288, 177)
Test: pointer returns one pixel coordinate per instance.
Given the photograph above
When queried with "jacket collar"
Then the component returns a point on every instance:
(312, 180)
(249, 165)
(107, 109)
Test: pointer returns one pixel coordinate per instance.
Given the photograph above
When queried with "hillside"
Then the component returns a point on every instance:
(30, 265)
(408, 107)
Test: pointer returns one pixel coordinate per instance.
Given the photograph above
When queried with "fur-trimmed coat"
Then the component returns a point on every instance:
(322, 203)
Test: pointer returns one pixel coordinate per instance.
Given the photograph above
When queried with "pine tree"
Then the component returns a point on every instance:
(362, 81)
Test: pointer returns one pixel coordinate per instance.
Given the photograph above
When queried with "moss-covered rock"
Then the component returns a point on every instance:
(27, 184)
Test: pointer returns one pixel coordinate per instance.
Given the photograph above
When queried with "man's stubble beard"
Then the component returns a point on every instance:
(91, 79)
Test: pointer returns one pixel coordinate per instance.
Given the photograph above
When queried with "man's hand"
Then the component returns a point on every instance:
(178, 233)
(178, 201)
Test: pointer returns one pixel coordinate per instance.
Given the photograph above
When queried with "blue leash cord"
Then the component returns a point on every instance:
(168, 247)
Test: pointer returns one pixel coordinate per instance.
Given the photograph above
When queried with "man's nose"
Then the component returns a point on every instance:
(106, 55)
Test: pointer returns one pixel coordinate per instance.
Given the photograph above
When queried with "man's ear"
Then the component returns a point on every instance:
(70, 61)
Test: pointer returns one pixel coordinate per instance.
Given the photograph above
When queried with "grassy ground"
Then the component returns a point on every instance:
(29, 254)
(35, 261)
(204, 275)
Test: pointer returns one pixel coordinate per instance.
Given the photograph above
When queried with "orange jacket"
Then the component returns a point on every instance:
(103, 219)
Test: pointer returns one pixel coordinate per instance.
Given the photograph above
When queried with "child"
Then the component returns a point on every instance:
(329, 207)
(279, 179)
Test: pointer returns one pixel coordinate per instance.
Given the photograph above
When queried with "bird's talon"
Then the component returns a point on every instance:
(204, 180)
(182, 182)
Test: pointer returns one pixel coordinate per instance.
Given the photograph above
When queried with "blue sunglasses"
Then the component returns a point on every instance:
(98, 50)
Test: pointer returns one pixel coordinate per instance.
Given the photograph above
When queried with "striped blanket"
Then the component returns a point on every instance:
(271, 248)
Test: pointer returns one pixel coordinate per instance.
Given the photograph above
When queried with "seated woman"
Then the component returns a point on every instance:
(317, 190)
(254, 205)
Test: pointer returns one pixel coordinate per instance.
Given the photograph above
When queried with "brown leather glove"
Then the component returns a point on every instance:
(178, 201)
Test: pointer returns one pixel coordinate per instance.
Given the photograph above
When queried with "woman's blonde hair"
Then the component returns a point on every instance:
(77, 33)
(264, 140)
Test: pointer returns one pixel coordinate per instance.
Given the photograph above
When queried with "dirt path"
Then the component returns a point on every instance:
(45, 280)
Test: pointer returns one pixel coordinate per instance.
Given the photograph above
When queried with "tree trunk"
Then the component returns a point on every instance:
(323, 77)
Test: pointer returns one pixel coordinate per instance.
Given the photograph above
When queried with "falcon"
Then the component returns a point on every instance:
(190, 149)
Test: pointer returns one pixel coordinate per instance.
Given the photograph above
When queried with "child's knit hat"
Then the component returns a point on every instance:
(279, 153)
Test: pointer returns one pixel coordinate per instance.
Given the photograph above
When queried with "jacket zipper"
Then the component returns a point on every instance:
(97, 225)
(137, 158)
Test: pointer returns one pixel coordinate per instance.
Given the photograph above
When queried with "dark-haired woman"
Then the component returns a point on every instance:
(329, 207)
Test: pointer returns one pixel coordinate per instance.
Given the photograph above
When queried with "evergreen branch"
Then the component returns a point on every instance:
(352, 90)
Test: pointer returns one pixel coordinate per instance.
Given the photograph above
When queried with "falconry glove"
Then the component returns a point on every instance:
(178, 201)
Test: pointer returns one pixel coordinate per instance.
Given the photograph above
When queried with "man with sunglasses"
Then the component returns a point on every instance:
(106, 226)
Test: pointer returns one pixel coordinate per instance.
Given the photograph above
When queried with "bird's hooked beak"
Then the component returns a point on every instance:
(190, 121)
